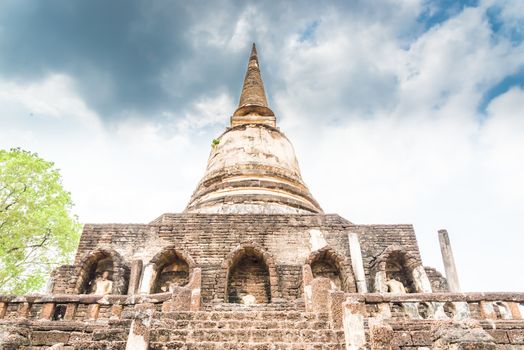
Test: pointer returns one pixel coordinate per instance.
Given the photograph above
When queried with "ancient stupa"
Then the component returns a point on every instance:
(254, 263)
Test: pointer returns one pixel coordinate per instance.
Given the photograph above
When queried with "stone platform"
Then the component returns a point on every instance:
(409, 322)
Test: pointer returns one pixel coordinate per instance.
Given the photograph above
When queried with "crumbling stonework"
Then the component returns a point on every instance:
(463, 335)
(254, 263)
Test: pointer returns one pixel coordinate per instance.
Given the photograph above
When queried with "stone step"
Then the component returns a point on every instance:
(242, 324)
(243, 315)
(277, 306)
(100, 345)
(244, 346)
(247, 335)
(111, 334)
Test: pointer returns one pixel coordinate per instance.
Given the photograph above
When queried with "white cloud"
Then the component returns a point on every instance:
(132, 171)
(422, 154)
(50, 97)
(385, 132)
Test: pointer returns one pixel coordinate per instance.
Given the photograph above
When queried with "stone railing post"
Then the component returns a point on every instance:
(3, 310)
(47, 311)
(195, 284)
(514, 309)
(70, 312)
(336, 299)
(380, 334)
(23, 310)
(487, 310)
(353, 314)
(138, 338)
(92, 312)
(320, 289)
(116, 311)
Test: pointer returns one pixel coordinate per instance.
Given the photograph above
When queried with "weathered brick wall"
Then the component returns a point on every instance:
(374, 239)
(438, 282)
(209, 238)
(63, 279)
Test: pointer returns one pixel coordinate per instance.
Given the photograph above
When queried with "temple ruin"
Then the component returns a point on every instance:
(254, 263)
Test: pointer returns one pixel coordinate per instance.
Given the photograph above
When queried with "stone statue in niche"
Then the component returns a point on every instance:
(249, 299)
(103, 284)
(333, 285)
(175, 273)
(395, 286)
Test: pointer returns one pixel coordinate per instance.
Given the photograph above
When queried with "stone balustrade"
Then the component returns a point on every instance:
(442, 306)
(69, 307)
(85, 307)
(88, 307)
(429, 320)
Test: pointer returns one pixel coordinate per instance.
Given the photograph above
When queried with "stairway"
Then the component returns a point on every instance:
(112, 335)
(234, 326)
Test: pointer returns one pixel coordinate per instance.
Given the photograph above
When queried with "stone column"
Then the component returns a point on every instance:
(307, 277)
(380, 281)
(147, 279)
(134, 276)
(449, 261)
(356, 262)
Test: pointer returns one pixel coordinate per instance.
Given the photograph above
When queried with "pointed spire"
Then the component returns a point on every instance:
(253, 101)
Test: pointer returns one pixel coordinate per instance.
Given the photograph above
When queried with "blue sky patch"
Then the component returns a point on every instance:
(438, 11)
(513, 31)
(500, 88)
(309, 33)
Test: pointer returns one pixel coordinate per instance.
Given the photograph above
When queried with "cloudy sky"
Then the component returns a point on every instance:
(400, 111)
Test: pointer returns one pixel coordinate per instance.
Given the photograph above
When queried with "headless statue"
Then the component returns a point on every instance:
(395, 287)
(104, 285)
(249, 299)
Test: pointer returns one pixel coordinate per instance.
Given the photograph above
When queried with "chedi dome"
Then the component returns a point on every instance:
(252, 167)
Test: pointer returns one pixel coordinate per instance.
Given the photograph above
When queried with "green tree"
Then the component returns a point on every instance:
(37, 230)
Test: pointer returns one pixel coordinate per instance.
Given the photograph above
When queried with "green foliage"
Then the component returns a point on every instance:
(215, 143)
(37, 230)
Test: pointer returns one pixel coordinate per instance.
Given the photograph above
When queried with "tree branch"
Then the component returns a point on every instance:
(38, 245)
(11, 192)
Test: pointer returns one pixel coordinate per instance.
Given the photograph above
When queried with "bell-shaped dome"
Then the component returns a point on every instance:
(252, 167)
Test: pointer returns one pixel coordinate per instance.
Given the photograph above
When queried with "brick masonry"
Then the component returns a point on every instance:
(209, 238)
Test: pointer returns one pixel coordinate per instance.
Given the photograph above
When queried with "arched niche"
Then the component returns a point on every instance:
(249, 272)
(326, 262)
(93, 265)
(398, 264)
(171, 267)
(400, 267)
